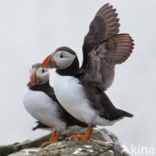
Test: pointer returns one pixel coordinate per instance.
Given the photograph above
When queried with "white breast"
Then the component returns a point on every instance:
(71, 95)
(43, 108)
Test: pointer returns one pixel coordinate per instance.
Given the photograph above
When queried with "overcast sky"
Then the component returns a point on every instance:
(31, 29)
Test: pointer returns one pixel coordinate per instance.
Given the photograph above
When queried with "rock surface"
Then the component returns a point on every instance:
(102, 143)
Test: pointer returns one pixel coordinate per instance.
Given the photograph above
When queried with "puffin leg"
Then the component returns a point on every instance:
(53, 139)
(85, 136)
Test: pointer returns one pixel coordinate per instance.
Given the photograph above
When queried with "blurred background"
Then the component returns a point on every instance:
(31, 29)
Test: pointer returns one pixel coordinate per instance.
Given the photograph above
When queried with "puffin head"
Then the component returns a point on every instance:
(38, 75)
(63, 58)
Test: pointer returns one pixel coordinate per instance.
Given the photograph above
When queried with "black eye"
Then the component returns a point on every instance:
(43, 70)
(61, 56)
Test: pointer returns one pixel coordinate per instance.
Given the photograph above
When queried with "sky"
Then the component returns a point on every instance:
(31, 29)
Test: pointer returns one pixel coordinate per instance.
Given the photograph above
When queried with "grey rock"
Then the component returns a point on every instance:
(102, 143)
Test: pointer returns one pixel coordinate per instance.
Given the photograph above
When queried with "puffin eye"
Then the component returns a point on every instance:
(61, 56)
(43, 70)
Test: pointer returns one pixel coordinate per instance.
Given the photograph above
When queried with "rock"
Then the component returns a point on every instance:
(102, 143)
(26, 152)
(6, 150)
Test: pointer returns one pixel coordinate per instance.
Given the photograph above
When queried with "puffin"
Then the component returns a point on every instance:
(81, 90)
(40, 101)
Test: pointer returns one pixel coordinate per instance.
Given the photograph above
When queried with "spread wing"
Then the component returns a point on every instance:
(104, 48)
(104, 26)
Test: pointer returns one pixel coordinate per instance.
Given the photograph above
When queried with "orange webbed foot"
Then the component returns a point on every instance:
(53, 139)
(46, 143)
(85, 136)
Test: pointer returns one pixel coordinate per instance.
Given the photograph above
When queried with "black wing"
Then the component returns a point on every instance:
(103, 105)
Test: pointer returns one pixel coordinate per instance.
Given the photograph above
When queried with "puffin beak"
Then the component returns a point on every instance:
(49, 62)
(33, 78)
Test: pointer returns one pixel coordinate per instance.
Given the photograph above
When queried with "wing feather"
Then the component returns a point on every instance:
(104, 26)
(103, 48)
(102, 60)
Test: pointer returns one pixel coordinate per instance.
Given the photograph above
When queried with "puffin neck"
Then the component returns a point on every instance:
(70, 71)
(39, 87)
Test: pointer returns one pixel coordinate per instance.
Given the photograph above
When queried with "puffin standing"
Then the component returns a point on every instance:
(40, 101)
(81, 90)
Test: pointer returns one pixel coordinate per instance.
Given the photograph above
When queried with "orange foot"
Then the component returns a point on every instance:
(85, 136)
(53, 139)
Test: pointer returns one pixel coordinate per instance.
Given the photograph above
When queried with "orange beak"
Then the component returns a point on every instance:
(45, 62)
(48, 62)
(33, 77)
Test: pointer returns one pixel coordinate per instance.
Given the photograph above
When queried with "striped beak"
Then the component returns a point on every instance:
(49, 62)
(33, 78)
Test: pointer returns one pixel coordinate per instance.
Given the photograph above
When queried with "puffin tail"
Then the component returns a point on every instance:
(125, 114)
(39, 126)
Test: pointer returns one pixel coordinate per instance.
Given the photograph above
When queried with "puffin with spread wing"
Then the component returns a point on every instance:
(81, 90)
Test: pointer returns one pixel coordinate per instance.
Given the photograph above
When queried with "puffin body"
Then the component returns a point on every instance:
(69, 91)
(81, 90)
(43, 108)
(40, 101)
(85, 102)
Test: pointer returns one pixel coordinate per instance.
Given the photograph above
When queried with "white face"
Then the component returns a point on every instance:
(63, 59)
(41, 75)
